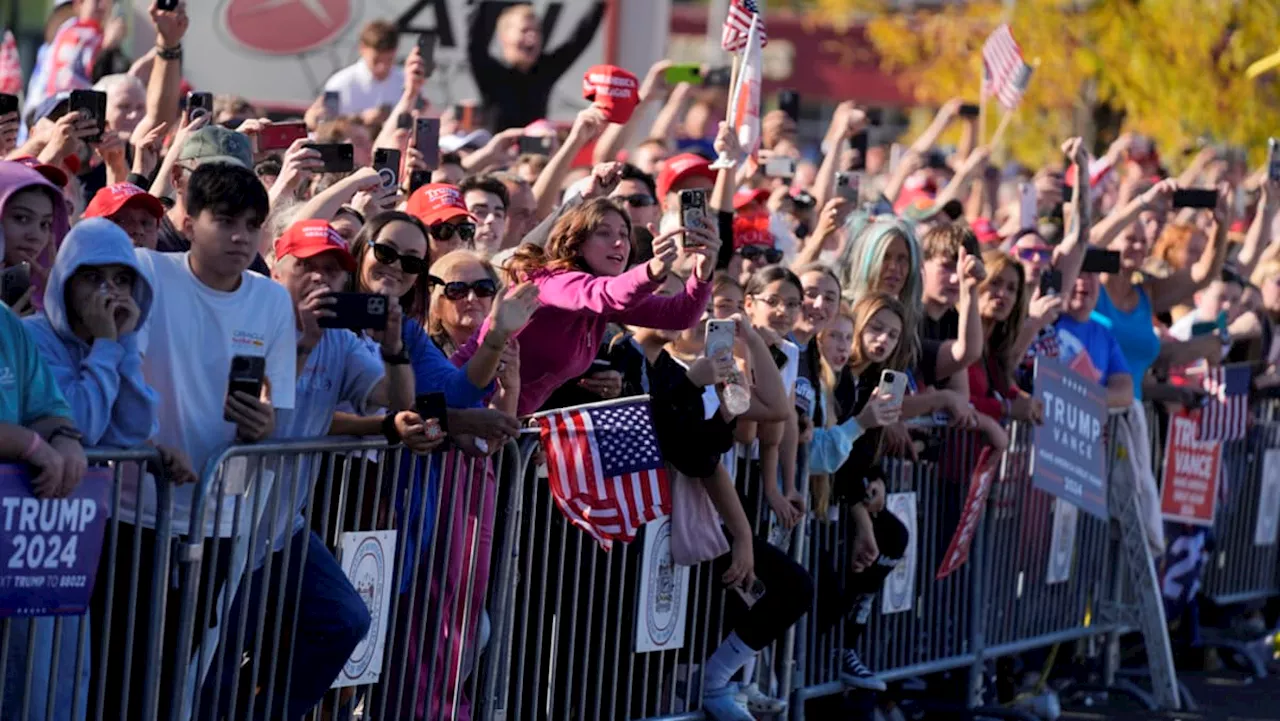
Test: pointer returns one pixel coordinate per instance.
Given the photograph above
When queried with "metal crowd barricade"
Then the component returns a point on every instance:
(1244, 562)
(106, 663)
(417, 533)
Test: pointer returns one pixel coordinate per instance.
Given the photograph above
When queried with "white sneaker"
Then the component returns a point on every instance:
(759, 702)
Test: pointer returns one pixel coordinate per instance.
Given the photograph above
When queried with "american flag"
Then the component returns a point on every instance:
(1226, 415)
(733, 37)
(605, 470)
(10, 65)
(1005, 74)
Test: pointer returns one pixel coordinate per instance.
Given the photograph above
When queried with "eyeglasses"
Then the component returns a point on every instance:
(445, 231)
(754, 252)
(387, 255)
(1034, 255)
(459, 290)
(638, 200)
(774, 301)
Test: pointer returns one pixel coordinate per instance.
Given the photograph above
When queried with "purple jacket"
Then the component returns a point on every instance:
(565, 332)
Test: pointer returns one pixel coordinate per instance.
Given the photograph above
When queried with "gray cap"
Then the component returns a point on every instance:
(216, 144)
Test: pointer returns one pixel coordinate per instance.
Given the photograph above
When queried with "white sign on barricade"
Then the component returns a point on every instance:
(368, 559)
(900, 587)
(1066, 521)
(1264, 533)
(663, 592)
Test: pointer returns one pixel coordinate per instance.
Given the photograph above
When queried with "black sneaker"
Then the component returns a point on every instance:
(855, 673)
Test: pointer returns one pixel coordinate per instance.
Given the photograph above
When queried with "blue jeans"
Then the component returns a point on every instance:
(331, 620)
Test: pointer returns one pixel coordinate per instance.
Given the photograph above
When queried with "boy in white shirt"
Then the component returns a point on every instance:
(375, 79)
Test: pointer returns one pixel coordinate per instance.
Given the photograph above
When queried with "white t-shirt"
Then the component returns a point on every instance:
(187, 345)
(359, 91)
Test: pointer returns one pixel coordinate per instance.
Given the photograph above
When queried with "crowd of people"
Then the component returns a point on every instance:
(171, 248)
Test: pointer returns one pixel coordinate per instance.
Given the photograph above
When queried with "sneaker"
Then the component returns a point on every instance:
(855, 673)
(759, 702)
(722, 705)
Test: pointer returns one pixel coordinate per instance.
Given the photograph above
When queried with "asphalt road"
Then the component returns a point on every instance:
(1225, 696)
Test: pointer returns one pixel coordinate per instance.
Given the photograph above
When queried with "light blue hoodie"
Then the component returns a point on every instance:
(110, 401)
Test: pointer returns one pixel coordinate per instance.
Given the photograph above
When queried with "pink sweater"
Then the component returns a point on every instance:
(564, 334)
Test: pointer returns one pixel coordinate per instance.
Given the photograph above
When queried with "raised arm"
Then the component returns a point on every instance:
(1109, 227)
(164, 83)
(847, 121)
(615, 137)
(586, 127)
(1068, 257)
(1259, 235)
(559, 60)
(1167, 292)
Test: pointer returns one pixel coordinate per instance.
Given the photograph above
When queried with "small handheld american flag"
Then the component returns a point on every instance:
(1005, 74)
(605, 470)
(733, 37)
(10, 65)
(1225, 417)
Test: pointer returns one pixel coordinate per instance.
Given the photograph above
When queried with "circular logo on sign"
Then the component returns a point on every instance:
(897, 586)
(664, 595)
(285, 27)
(368, 570)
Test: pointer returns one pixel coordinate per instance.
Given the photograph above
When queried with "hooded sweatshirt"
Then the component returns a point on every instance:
(14, 178)
(110, 401)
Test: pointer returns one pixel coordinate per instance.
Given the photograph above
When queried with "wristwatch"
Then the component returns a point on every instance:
(389, 429)
(398, 359)
(66, 432)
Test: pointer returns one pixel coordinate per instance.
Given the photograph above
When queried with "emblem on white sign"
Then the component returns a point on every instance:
(1066, 519)
(1268, 500)
(368, 560)
(900, 586)
(663, 599)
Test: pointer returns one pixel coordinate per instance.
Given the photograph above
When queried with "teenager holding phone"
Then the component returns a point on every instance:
(33, 218)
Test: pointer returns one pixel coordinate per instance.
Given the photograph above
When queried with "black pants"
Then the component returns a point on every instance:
(844, 591)
(788, 594)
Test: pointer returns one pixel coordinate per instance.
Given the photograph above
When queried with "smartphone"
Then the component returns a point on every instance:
(859, 145)
(8, 103)
(418, 178)
(1028, 199)
(426, 138)
(789, 103)
(875, 116)
(167, 5)
(247, 374)
(599, 365)
(969, 110)
(427, 47)
(751, 595)
(14, 282)
(387, 162)
(718, 77)
(720, 336)
(332, 104)
(539, 145)
(693, 212)
(779, 356)
(432, 408)
(280, 136)
(357, 311)
(1195, 198)
(684, 73)
(1100, 260)
(894, 385)
(93, 104)
(337, 157)
(404, 121)
(780, 167)
(848, 186)
(1050, 282)
(1273, 156)
(468, 117)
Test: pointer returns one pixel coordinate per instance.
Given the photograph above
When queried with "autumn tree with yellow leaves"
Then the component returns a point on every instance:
(1170, 69)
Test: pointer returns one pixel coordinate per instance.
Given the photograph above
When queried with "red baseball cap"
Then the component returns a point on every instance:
(681, 167)
(752, 229)
(612, 89)
(309, 238)
(436, 203)
(111, 199)
(743, 198)
(984, 231)
(51, 173)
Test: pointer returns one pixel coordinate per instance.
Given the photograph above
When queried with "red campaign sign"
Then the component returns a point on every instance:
(975, 504)
(1191, 467)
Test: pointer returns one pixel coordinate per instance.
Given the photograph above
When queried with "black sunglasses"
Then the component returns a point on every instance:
(638, 200)
(445, 231)
(410, 264)
(754, 252)
(458, 290)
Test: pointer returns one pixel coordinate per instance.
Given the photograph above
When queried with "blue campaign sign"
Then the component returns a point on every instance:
(1069, 458)
(49, 547)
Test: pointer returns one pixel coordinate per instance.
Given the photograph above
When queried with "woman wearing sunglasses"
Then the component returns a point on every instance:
(442, 210)
(584, 284)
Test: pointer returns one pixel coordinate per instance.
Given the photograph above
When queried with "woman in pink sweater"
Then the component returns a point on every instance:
(584, 284)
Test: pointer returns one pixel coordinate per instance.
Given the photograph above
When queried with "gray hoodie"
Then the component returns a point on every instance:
(111, 402)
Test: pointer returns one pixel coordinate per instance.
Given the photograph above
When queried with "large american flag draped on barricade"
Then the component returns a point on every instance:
(605, 470)
(1225, 417)
(1004, 73)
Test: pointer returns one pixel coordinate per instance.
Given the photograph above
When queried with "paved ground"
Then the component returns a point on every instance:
(1225, 696)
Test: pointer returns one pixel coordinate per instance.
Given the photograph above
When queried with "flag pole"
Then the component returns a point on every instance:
(725, 162)
(982, 107)
(1004, 123)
